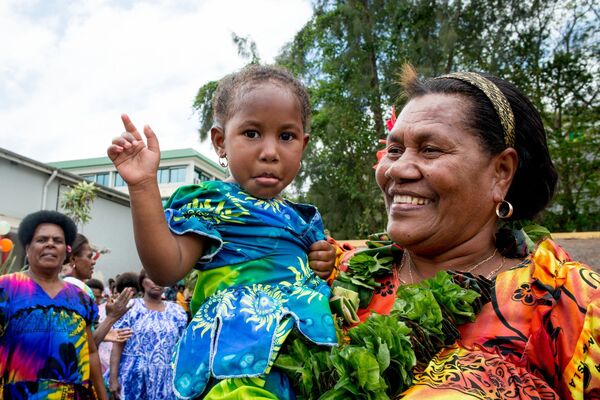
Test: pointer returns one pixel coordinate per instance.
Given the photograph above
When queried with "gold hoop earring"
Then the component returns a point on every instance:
(504, 209)
(222, 163)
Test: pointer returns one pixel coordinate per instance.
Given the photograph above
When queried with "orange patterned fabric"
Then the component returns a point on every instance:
(537, 339)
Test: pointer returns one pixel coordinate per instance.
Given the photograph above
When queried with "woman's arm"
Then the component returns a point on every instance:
(95, 367)
(114, 310)
(115, 359)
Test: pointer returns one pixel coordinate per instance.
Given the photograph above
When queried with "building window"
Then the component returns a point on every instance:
(100, 178)
(119, 182)
(200, 176)
(171, 174)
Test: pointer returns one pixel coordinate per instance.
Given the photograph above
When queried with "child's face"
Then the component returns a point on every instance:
(263, 140)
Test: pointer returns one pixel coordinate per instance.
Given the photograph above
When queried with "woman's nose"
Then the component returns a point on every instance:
(404, 167)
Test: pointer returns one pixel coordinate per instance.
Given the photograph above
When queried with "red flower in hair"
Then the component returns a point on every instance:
(389, 124)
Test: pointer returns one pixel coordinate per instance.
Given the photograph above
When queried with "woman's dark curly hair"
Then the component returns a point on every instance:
(534, 182)
(30, 223)
(125, 280)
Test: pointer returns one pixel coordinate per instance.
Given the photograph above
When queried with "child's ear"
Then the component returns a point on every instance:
(217, 136)
(306, 139)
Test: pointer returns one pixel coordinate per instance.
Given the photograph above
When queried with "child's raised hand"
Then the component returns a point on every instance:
(321, 258)
(135, 161)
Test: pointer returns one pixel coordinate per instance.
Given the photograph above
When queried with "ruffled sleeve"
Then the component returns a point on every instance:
(198, 209)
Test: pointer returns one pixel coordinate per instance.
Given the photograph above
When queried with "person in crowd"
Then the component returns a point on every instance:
(467, 157)
(140, 368)
(182, 296)
(81, 263)
(250, 245)
(128, 280)
(97, 288)
(110, 289)
(125, 282)
(46, 345)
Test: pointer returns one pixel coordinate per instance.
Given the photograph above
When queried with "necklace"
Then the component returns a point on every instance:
(494, 272)
(470, 269)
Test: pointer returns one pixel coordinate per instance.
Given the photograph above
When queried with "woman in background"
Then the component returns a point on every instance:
(140, 368)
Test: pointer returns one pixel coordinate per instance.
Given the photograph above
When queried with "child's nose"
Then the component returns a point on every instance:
(269, 151)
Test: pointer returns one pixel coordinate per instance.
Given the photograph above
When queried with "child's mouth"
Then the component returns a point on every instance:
(267, 179)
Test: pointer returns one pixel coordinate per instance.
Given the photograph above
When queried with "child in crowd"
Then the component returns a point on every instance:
(249, 244)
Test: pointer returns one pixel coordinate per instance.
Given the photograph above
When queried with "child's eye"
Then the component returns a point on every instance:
(251, 134)
(287, 136)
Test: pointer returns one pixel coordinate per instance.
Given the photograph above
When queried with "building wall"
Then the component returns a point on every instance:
(22, 183)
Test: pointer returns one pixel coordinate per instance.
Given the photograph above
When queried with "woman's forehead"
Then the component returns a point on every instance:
(48, 229)
(429, 113)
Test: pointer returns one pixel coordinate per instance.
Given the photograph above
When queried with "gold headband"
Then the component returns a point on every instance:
(501, 105)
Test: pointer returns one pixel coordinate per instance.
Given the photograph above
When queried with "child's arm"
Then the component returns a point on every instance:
(166, 257)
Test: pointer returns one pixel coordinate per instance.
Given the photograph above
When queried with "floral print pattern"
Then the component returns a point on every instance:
(254, 283)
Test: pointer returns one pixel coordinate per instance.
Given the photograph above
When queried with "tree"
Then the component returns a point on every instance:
(203, 102)
(77, 202)
(350, 52)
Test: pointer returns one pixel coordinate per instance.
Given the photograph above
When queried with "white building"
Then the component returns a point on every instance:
(177, 168)
(27, 185)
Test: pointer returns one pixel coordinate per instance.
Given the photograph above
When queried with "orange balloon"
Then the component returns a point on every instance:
(6, 245)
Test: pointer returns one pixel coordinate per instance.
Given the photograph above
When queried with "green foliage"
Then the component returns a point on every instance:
(77, 202)
(375, 359)
(350, 52)
(203, 106)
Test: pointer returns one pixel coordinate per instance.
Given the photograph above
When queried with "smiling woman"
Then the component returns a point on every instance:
(47, 321)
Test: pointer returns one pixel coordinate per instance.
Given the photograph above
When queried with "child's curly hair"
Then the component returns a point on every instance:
(234, 85)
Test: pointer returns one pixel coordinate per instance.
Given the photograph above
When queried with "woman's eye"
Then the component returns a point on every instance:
(287, 136)
(395, 151)
(251, 134)
(431, 150)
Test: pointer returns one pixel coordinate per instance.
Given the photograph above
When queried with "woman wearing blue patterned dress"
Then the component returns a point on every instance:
(255, 252)
(140, 368)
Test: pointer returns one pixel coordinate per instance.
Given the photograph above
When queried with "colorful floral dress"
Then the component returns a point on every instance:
(44, 351)
(538, 337)
(254, 283)
(145, 368)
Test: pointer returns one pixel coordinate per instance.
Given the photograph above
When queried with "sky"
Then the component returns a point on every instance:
(69, 69)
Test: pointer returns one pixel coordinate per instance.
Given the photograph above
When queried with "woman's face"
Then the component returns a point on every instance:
(436, 178)
(152, 289)
(84, 263)
(47, 250)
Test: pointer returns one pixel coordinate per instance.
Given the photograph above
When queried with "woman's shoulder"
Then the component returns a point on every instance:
(553, 266)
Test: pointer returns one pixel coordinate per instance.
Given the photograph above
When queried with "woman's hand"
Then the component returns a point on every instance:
(114, 388)
(135, 162)
(321, 258)
(115, 308)
(118, 335)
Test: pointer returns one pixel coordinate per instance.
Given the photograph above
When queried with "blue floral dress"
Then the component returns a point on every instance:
(254, 283)
(43, 341)
(145, 370)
